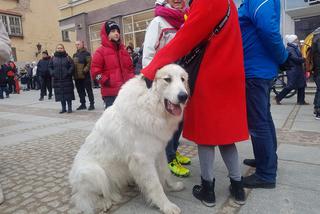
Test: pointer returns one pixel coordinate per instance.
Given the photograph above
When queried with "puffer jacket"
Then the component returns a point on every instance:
(159, 33)
(111, 65)
(43, 67)
(82, 62)
(61, 69)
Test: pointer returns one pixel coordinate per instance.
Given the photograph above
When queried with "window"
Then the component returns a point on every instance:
(12, 24)
(94, 33)
(65, 36)
(135, 26)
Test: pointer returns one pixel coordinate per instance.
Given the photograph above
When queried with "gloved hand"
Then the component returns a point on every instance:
(286, 65)
(148, 82)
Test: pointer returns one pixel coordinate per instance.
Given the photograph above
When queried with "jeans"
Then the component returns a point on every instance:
(261, 128)
(46, 83)
(316, 101)
(64, 103)
(4, 89)
(173, 144)
(83, 86)
(108, 101)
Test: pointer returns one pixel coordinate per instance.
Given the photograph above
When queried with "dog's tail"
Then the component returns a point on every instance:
(90, 187)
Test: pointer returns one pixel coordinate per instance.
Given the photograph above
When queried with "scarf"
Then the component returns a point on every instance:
(174, 17)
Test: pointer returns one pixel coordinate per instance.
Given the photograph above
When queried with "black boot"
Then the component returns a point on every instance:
(91, 107)
(249, 162)
(41, 99)
(237, 191)
(205, 193)
(82, 106)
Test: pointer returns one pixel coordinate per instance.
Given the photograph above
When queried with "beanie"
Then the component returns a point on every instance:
(291, 38)
(110, 25)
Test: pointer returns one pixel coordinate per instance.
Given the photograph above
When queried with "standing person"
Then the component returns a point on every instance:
(4, 81)
(5, 52)
(111, 64)
(82, 78)
(169, 17)
(315, 48)
(61, 69)
(12, 70)
(44, 76)
(264, 51)
(29, 75)
(216, 113)
(296, 74)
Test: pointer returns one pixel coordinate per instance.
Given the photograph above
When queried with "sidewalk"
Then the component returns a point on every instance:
(37, 147)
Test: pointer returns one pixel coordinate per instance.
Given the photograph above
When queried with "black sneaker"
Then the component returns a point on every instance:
(317, 117)
(82, 107)
(253, 181)
(237, 191)
(249, 162)
(62, 111)
(205, 193)
(91, 107)
(41, 99)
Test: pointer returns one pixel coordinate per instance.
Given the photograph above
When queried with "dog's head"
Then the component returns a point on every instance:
(171, 84)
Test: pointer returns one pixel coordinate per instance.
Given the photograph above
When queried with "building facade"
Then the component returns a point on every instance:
(300, 17)
(32, 26)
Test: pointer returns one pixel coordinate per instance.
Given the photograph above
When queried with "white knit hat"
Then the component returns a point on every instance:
(291, 38)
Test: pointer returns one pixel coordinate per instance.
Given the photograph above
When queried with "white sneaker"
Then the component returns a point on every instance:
(1, 195)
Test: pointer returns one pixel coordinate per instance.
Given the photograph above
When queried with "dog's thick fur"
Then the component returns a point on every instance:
(127, 146)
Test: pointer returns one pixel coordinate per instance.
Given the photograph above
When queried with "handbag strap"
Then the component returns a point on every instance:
(222, 23)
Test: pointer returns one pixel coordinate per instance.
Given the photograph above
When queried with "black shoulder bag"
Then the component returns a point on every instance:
(192, 61)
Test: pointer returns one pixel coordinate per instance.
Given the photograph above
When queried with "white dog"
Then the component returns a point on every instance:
(127, 145)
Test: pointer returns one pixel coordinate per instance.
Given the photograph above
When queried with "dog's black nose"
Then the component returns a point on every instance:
(182, 97)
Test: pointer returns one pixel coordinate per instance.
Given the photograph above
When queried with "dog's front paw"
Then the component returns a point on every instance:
(176, 186)
(171, 208)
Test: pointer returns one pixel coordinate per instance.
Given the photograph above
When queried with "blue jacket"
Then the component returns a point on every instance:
(263, 47)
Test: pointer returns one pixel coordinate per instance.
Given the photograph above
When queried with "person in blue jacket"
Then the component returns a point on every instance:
(264, 52)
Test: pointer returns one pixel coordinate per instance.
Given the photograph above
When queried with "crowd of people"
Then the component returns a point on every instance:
(247, 53)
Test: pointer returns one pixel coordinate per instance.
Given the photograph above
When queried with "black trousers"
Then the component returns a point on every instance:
(46, 84)
(11, 85)
(84, 87)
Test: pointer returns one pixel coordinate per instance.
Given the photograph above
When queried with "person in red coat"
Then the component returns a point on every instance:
(111, 63)
(216, 113)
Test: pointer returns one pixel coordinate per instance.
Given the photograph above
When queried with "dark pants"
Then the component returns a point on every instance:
(4, 89)
(83, 86)
(108, 101)
(261, 128)
(46, 83)
(11, 85)
(287, 90)
(64, 103)
(316, 101)
(173, 144)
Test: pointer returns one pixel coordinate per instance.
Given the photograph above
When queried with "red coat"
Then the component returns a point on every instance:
(113, 63)
(216, 113)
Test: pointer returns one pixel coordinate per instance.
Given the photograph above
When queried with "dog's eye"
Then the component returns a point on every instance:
(182, 79)
(168, 79)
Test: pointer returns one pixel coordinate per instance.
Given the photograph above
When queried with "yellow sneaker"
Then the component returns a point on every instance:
(183, 159)
(177, 169)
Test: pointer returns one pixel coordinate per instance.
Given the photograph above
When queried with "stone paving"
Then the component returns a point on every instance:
(37, 147)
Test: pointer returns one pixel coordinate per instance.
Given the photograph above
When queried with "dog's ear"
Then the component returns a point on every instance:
(148, 82)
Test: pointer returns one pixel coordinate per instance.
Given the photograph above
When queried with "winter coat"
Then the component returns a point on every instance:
(263, 46)
(82, 62)
(61, 69)
(5, 49)
(296, 75)
(316, 54)
(43, 67)
(3, 75)
(216, 112)
(159, 33)
(111, 65)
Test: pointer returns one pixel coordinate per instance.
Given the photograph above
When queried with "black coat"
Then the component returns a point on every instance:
(61, 69)
(3, 75)
(296, 75)
(316, 54)
(43, 67)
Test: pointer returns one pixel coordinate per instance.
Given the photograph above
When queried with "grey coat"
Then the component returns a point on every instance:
(5, 49)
